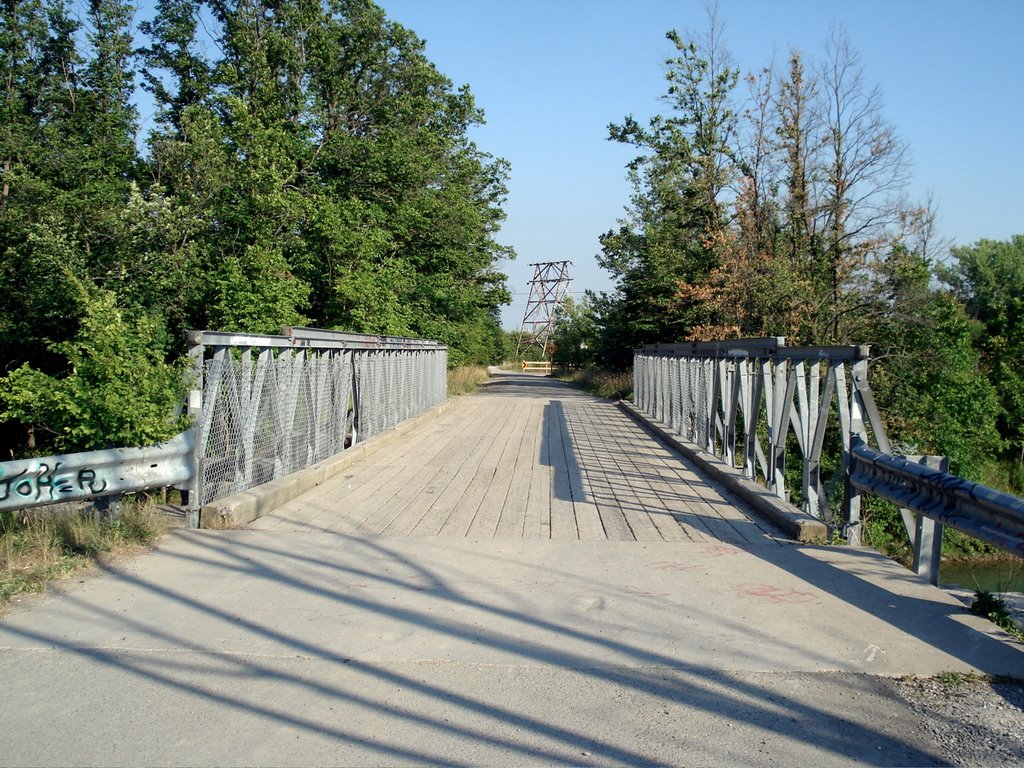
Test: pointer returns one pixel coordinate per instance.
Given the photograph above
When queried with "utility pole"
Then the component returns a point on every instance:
(548, 289)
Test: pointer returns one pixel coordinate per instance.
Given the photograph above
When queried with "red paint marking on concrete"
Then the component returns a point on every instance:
(775, 594)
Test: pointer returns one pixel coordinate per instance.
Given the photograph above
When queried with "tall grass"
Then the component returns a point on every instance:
(42, 545)
(466, 379)
(601, 383)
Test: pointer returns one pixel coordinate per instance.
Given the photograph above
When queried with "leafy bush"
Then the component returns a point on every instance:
(118, 390)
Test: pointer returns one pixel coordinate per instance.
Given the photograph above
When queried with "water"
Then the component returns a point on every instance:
(992, 576)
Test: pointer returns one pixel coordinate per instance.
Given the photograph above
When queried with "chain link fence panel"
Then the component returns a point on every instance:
(272, 405)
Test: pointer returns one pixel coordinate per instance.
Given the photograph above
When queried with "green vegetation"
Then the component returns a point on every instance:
(775, 205)
(616, 385)
(307, 165)
(957, 681)
(993, 608)
(466, 379)
(38, 548)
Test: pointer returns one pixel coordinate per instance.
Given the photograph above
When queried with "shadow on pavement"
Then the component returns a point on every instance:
(233, 661)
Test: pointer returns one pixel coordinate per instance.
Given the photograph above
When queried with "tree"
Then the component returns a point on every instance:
(40, 80)
(119, 391)
(330, 162)
(859, 190)
(663, 254)
(989, 278)
(574, 334)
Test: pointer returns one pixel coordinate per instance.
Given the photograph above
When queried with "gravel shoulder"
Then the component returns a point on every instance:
(975, 721)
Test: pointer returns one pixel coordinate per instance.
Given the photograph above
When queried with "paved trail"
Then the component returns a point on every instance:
(423, 616)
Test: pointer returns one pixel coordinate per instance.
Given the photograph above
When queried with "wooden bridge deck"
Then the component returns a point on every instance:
(528, 457)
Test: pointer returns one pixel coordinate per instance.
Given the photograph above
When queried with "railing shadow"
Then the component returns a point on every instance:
(428, 600)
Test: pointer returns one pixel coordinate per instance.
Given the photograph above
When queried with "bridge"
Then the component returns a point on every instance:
(530, 458)
(525, 574)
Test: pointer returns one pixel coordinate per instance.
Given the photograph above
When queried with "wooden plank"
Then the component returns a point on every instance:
(560, 465)
(607, 487)
(503, 424)
(537, 522)
(724, 518)
(444, 505)
(336, 510)
(673, 496)
(563, 516)
(663, 518)
(465, 511)
(404, 524)
(513, 513)
(485, 524)
(579, 444)
(301, 510)
(344, 502)
(678, 501)
(654, 465)
(410, 493)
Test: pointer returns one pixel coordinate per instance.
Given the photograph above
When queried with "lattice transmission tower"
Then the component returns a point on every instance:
(548, 289)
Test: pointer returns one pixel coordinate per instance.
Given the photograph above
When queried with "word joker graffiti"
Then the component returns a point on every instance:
(31, 485)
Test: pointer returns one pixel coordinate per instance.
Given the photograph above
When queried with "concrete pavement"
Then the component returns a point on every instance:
(262, 648)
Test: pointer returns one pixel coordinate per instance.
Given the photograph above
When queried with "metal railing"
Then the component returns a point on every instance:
(749, 401)
(95, 474)
(988, 515)
(741, 400)
(264, 406)
(267, 406)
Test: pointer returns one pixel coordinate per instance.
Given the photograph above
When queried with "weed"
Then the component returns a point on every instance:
(39, 546)
(600, 383)
(949, 683)
(466, 379)
(951, 680)
(993, 608)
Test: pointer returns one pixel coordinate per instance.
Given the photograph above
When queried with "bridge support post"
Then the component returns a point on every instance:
(927, 534)
(191, 494)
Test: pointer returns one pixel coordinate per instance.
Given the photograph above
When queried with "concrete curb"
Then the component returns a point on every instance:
(242, 508)
(791, 520)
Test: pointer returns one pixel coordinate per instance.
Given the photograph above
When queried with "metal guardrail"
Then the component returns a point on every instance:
(96, 474)
(744, 400)
(986, 514)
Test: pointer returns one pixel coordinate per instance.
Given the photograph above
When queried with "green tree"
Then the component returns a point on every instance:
(331, 163)
(309, 164)
(575, 334)
(40, 80)
(989, 278)
(119, 391)
(928, 374)
(663, 255)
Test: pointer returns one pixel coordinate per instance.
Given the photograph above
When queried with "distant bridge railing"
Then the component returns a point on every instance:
(264, 407)
(268, 406)
(749, 401)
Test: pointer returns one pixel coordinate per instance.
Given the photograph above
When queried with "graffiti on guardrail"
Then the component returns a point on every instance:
(110, 472)
(32, 484)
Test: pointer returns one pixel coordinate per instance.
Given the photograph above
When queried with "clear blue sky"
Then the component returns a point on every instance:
(552, 74)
